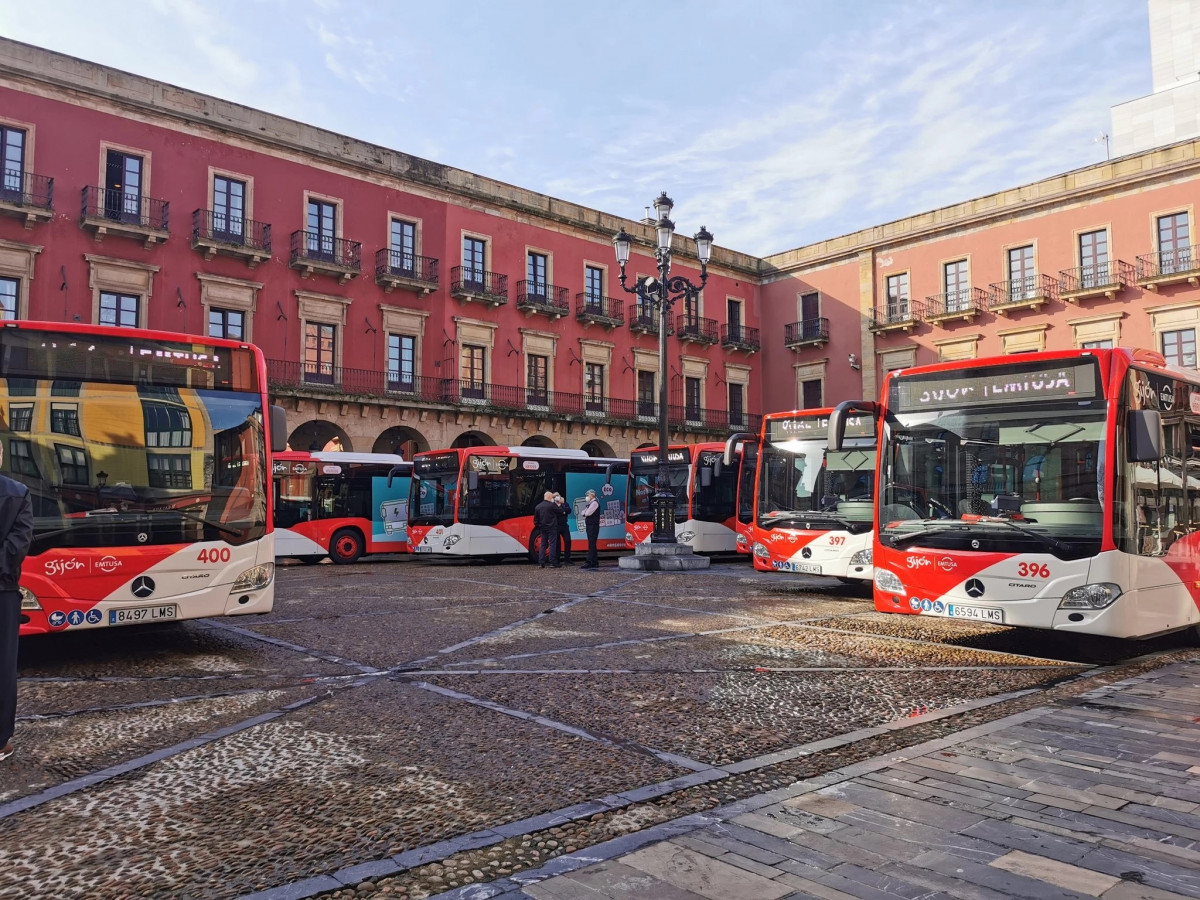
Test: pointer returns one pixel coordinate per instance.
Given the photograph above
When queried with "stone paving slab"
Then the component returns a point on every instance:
(953, 818)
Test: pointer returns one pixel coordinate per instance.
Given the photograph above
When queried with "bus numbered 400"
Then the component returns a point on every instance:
(340, 505)
(146, 458)
(815, 508)
(706, 496)
(478, 501)
(1055, 490)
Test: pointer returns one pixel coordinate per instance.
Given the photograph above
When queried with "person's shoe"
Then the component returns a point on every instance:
(7, 750)
(556, 565)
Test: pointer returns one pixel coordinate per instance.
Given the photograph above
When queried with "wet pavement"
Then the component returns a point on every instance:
(403, 727)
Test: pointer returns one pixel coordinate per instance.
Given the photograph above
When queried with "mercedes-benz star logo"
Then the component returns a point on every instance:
(143, 586)
(806, 553)
(974, 588)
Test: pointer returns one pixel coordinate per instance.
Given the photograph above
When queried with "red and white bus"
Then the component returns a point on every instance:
(146, 458)
(478, 501)
(815, 506)
(1056, 490)
(340, 505)
(706, 496)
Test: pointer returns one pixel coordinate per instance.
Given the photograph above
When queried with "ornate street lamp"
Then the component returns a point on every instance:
(660, 295)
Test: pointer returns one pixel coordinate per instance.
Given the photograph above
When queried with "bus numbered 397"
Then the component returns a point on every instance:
(706, 496)
(146, 458)
(478, 501)
(340, 505)
(815, 506)
(1053, 490)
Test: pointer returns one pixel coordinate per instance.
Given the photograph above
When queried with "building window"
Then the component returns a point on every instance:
(536, 265)
(956, 285)
(72, 462)
(166, 425)
(123, 186)
(1174, 244)
(20, 458)
(1093, 258)
(1105, 344)
(9, 292)
(536, 383)
(322, 231)
(319, 347)
(737, 404)
(593, 386)
(897, 297)
(20, 418)
(474, 370)
(64, 419)
(1021, 276)
(810, 394)
(22, 387)
(119, 310)
(1179, 347)
(402, 354)
(64, 387)
(474, 262)
(12, 157)
(646, 399)
(691, 398)
(229, 209)
(593, 286)
(733, 316)
(169, 471)
(403, 247)
(226, 323)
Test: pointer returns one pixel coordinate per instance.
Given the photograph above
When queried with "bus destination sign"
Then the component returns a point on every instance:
(799, 428)
(992, 387)
(674, 457)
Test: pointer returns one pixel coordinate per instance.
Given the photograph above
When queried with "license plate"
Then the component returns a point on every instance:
(808, 568)
(142, 614)
(980, 613)
(423, 548)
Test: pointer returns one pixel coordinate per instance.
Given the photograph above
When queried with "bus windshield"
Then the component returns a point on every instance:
(434, 489)
(643, 475)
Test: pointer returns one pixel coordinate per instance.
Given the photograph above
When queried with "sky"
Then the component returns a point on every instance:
(775, 124)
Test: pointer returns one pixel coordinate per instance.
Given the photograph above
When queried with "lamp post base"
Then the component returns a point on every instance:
(664, 558)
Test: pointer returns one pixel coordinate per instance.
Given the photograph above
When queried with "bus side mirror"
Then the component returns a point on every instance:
(706, 476)
(608, 473)
(837, 419)
(472, 481)
(1144, 435)
(394, 472)
(278, 429)
(717, 467)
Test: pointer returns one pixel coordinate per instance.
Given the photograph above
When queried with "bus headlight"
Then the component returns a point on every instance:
(741, 540)
(629, 537)
(254, 579)
(761, 551)
(452, 539)
(29, 599)
(889, 582)
(687, 536)
(861, 558)
(1091, 596)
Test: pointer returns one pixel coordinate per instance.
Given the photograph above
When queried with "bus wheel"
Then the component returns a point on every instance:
(535, 546)
(346, 546)
(310, 560)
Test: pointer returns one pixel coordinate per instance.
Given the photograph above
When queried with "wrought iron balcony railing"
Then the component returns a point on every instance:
(540, 297)
(643, 318)
(395, 268)
(341, 381)
(1162, 266)
(1107, 278)
(221, 228)
(124, 208)
(740, 337)
(315, 250)
(608, 311)
(806, 331)
(468, 283)
(695, 328)
(1032, 290)
(27, 189)
(901, 315)
(961, 304)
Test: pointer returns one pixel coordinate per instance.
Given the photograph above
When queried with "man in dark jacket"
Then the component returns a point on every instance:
(545, 519)
(564, 527)
(16, 534)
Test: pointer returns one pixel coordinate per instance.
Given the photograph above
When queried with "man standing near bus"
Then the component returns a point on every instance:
(16, 534)
(591, 525)
(545, 519)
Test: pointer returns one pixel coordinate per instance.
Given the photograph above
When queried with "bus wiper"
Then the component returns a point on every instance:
(899, 540)
(195, 518)
(814, 516)
(1051, 542)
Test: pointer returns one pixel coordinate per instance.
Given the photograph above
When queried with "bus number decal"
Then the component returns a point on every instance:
(215, 555)
(1033, 570)
(837, 540)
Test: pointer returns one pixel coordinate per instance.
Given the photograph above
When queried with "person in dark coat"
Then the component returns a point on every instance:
(16, 534)
(564, 527)
(545, 519)
(591, 526)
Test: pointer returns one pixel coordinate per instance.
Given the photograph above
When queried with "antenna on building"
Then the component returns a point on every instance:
(1103, 136)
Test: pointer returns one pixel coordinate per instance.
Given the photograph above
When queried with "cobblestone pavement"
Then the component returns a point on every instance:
(404, 727)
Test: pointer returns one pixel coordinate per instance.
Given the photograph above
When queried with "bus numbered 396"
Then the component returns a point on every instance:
(706, 496)
(145, 454)
(815, 506)
(1054, 490)
(478, 501)
(340, 505)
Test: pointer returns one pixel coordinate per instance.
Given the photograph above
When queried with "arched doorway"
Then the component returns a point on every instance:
(472, 439)
(319, 435)
(398, 439)
(538, 440)
(597, 447)
(647, 446)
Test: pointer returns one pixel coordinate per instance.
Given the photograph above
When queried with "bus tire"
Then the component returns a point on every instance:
(346, 546)
(535, 545)
(310, 560)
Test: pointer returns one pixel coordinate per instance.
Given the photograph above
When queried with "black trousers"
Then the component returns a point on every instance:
(10, 625)
(593, 535)
(549, 552)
